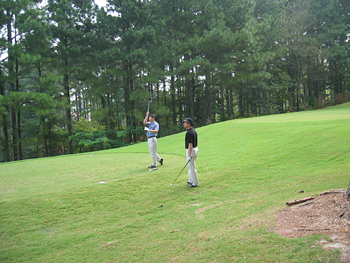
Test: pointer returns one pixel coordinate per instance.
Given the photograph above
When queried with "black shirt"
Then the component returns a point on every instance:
(191, 137)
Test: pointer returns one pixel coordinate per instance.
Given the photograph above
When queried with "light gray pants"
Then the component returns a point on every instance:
(152, 146)
(192, 172)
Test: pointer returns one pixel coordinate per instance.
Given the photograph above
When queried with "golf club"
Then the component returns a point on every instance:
(148, 105)
(181, 171)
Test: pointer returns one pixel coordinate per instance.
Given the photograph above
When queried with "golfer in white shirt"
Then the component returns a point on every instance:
(152, 128)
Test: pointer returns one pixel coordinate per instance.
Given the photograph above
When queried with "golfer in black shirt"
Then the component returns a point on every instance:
(191, 143)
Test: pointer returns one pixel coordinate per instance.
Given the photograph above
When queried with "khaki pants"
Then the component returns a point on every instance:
(192, 172)
(152, 146)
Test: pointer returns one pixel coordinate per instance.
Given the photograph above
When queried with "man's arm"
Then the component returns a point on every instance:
(155, 131)
(145, 120)
(190, 147)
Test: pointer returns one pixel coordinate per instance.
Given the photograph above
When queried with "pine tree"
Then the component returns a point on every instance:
(69, 25)
(132, 35)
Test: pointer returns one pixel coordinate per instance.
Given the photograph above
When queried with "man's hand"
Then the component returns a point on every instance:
(145, 120)
(146, 129)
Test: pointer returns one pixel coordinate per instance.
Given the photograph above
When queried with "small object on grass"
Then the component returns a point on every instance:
(102, 182)
(153, 169)
(171, 184)
(301, 191)
(160, 206)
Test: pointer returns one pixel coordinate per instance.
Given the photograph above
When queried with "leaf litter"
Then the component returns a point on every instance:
(327, 214)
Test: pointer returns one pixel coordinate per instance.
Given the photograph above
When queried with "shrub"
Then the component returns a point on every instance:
(98, 140)
(341, 98)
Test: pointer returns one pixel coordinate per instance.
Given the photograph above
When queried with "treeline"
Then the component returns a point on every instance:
(76, 77)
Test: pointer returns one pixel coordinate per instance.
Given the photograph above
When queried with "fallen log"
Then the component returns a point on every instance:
(333, 192)
(300, 201)
(320, 229)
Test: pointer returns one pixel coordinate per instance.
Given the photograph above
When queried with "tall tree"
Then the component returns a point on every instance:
(132, 33)
(69, 22)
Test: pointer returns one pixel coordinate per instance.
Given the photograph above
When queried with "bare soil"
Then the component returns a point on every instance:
(327, 214)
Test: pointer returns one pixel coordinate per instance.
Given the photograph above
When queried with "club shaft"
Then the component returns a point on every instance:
(182, 170)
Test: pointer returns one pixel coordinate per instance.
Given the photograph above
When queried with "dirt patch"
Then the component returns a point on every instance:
(205, 208)
(327, 214)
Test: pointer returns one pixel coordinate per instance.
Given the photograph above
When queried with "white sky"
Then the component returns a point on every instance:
(100, 3)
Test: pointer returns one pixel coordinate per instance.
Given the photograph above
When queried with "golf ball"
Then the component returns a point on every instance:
(171, 184)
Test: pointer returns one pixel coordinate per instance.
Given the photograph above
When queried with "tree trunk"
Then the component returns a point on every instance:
(241, 100)
(210, 99)
(253, 105)
(179, 96)
(318, 81)
(14, 135)
(231, 104)
(78, 103)
(5, 126)
(228, 103)
(189, 90)
(164, 97)
(19, 118)
(126, 95)
(6, 139)
(45, 137)
(49, 138)
(68, 109)
(192, 91)
(19, 112)
(310, 80)
(205, 99)
(127, 98)
(12, 84)
(341, 90)
(222, 102)
(172, 90)
(19, 136)
(42, 120)
(132, 105)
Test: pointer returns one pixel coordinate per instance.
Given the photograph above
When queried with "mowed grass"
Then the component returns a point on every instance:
(56, 209)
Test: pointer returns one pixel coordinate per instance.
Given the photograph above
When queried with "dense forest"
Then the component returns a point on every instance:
(77, 77)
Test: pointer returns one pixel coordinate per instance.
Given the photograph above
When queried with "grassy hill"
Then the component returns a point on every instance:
(56, 210)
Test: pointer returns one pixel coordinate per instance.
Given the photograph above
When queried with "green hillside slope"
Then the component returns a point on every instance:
(107, 207)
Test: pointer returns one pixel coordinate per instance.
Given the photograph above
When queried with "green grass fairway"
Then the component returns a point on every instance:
(55, 209)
